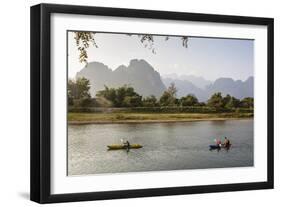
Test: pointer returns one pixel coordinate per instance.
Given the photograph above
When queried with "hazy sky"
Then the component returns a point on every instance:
(210, 58)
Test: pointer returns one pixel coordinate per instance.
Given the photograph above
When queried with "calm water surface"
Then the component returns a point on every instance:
(166, 146)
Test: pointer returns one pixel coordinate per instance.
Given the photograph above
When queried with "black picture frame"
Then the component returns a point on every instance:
(40, 176)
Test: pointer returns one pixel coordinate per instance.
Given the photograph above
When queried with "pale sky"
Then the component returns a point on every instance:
(210, 58)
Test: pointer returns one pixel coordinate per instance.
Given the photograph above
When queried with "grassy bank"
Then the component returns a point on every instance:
(87, 118)
(162, 109)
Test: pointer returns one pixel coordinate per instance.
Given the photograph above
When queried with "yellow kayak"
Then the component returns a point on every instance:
(120, 146)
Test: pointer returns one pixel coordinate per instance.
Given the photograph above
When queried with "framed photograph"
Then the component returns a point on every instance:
(132, 103)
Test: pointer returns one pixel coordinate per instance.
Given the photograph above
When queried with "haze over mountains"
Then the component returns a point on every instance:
(198, 81)
(147, 81)
(139, 74)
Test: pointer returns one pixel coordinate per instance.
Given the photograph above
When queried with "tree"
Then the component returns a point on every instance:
(216, 100)
(85, 102)
(79, 88)
(172, 90)
(232, 103)
(124, 96)
(189, 100)
(107, 96)
(150, 101)
(168, 98)
(226, 100)
(132, 101)
(78, 92)
(85, 39)
(247, 102)
(70, 98)
(201, 104)
(121, 93)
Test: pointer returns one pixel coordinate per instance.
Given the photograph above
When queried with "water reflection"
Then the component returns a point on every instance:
(166, 146)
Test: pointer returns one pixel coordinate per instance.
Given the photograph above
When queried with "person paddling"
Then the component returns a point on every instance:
(226, 142)
(127, 144)
(218, 142)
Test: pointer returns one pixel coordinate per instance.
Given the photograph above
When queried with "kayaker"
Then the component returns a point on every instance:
(226, 142)
(127, 144)
(218, 142)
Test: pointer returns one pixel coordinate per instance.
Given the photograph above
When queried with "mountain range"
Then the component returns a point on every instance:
(198, 81)
(147, 81)
(239, 89)
(139, 74)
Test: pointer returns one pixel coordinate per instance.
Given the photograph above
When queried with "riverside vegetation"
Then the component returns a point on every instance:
(124, 105)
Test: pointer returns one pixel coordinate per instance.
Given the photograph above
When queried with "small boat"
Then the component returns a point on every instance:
(212, 147)
(121, 146)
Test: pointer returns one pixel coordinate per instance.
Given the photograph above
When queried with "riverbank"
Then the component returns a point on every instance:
(111, 118)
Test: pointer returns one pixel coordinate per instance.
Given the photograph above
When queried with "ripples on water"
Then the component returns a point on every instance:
(166, 146)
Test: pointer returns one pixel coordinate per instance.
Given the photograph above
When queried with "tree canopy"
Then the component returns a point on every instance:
(168, 98)
(189, 100)
(216, 100)
(78, 90)
(247, 102)
(150, 101)
(125, 96)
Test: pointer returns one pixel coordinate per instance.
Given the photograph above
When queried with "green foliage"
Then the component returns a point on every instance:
(168, 98)
(124, 96)
(162, 109)
(132, 101)
(70, 98)
(201, 104)
(175, 109)
(108, 94)
(226, 100)
(216, 100)
(150, 101)
(78, 92)
(189, 100)
(79, 88)
(85, 102)
(232, 102)
(83, 40)
(247, 102)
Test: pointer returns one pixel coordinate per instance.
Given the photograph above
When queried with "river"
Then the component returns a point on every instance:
(166, 146)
